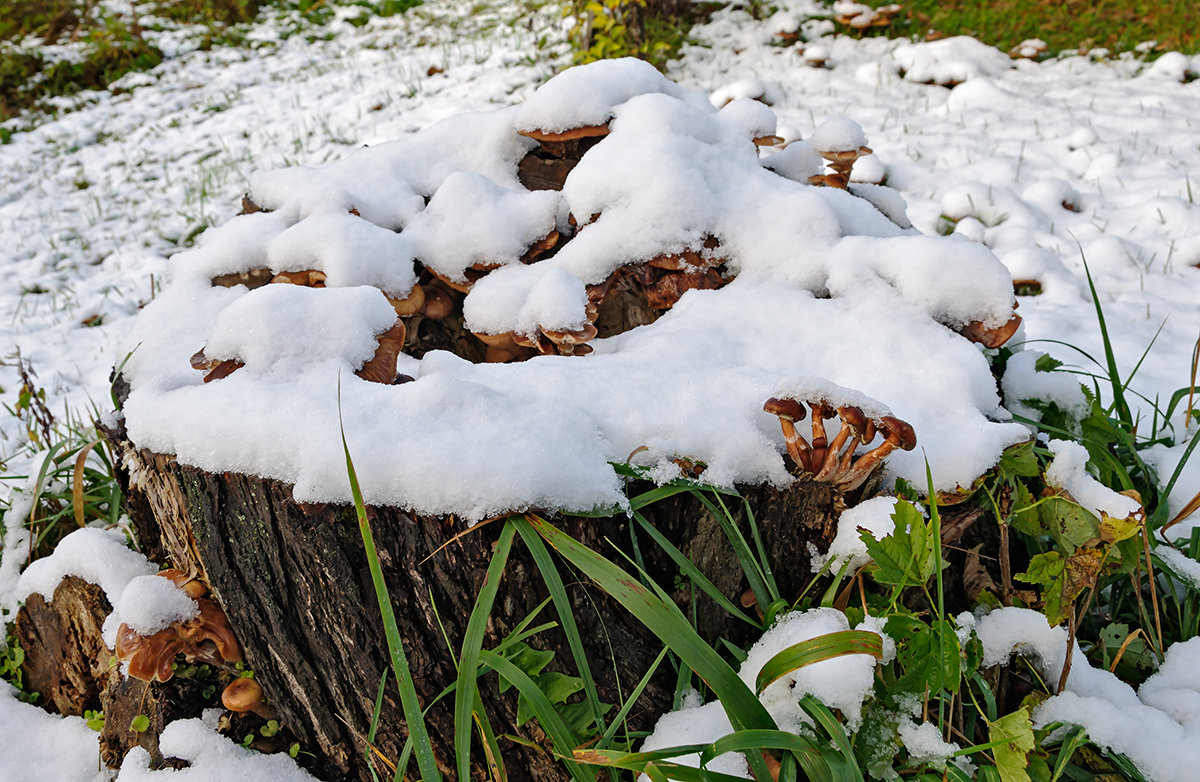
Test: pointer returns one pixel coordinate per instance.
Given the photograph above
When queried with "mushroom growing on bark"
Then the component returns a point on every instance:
(836, 461)
(208, 638)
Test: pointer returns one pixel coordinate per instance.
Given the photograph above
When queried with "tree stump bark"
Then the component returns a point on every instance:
(294, 582)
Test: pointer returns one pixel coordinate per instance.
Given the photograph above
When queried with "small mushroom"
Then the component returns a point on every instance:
(381, 367)
(244, 694)
(309, 278)
(409, 305)
(439, 301)
(991, 337)
(790, 411)
(570, 143)
(897, 434)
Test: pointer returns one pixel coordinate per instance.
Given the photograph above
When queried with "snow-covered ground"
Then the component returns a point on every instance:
(1045, 164)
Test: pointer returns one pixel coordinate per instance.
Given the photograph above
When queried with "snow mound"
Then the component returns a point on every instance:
(950, 60)
(787, 280)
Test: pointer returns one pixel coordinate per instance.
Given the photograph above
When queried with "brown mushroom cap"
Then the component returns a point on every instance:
(381, 367)
(573, 134)
(785, 407)
(899, 432)
(991, 337)
(242, 694)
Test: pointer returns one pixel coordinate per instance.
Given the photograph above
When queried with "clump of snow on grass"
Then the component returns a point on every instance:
(98, 556)
(1022, 383)
(1166, 460)
(211, 757)
(924, 742)
(841, 683)
(848, 550)
(1156, 727)
(950, 60)
(40, 745)
(1181, 564)
(1068, 471)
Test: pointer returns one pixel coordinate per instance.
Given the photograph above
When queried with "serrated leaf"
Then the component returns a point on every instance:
(1046, 363)
(1046, 572)
(908, 555)
(1015, 732)
(928, 655)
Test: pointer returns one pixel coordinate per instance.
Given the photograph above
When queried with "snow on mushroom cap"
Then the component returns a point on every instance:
(838, 135)
(282, 329)
(470, 219)
(348, 249)
(586, 96)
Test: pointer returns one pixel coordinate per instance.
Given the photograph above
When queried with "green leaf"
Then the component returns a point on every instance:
(1016, 729)
(814, 650)
(929, 655)
(528, 659)
(1019, 461)
(1062, 580)
(1046, 363)
(907, 556)
(139, 723)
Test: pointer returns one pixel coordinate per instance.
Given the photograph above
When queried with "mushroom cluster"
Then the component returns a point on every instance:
(207, 638)
(837, 461)
(862, 17)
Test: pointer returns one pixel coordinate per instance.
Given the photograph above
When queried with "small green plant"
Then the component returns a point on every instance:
(139, 724)
(94, 719)
(651, 30)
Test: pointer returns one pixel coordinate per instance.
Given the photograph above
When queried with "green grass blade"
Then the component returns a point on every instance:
(750, 565)
(558, 593)
(814, 650)
(1119, 402)
(754, 741)
(556, 728)
(408, 694)
(830, 724)
(741, 705)
(691, 571)
(627, 706)
(468, 659)
(376, 712)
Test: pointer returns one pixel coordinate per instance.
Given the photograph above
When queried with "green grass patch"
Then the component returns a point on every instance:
(1117, 25)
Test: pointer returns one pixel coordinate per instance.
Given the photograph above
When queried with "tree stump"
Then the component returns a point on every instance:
(293, 580)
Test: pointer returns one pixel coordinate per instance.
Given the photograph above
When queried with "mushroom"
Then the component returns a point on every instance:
(409, 305)
(439, 301)
(381, 367)
(215, 368)
(991, 337)
(790, 411)
(570, 143)
(897, 434)
(244, 694)
(192, 586)
(841, 161)
(310, 278)
(252, 278)
(208, 637)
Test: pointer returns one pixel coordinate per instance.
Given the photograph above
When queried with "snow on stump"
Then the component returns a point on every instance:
(496, 311)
